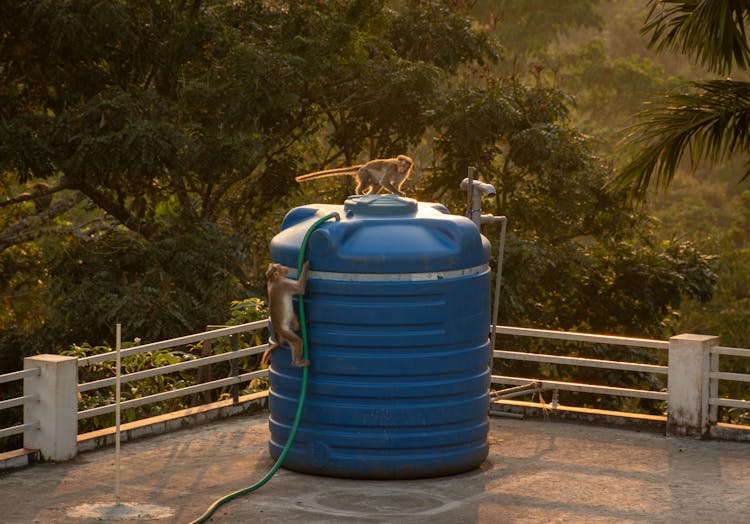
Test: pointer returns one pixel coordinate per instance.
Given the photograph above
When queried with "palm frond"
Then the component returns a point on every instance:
(712, 123)
(711, 31)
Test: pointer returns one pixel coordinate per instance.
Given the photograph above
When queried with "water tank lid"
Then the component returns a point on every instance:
(379, 205)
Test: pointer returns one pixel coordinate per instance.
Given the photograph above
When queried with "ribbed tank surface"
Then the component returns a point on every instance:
(398, 312)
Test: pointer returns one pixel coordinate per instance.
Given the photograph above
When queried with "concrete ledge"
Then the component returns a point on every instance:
(186, 418)
(18, 458)
(597, 416)
(736, 432)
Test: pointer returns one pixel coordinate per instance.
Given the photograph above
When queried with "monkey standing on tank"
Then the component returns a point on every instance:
(382, 173)
(281, 289)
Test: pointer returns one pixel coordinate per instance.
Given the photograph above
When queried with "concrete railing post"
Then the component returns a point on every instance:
(57, 408)
(687, 384)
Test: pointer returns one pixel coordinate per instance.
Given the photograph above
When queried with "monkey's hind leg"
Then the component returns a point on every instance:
(296, 343)
(365, 184)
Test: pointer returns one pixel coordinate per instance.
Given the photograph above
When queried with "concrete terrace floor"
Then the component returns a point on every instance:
(537, 471)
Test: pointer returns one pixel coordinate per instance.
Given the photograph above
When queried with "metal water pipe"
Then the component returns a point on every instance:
(475, 190)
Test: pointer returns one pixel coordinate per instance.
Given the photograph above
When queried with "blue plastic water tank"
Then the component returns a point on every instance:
(398, 313)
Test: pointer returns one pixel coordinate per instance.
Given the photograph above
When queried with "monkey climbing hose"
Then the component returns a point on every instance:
(303, 391)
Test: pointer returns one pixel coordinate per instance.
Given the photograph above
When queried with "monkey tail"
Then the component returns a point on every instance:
(272, 346)
(339, 171)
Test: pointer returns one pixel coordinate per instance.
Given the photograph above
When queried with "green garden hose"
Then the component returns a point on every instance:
(303, 392)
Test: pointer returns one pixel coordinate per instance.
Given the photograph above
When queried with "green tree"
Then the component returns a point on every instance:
(728, 314)
(711, 119)
(578, 257)
(139, 139)
(168, 135)
(608, 90)
(527, 28)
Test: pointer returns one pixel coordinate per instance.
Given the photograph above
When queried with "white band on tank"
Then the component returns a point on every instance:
(394, 277)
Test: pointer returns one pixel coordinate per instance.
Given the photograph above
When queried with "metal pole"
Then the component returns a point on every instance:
(235, 369)
(469, 193)
(498, 280)
(117, 414)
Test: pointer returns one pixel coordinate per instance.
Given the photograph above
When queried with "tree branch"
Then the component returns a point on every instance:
(34, 195)
(30, 228)
(116, 210)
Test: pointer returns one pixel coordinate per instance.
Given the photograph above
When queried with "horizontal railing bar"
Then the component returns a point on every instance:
(576, 361)
(18, 375)
(15, 430)
(729, 403)
(175, 393)
(173, 342)
(735, 352)
(582, 337)
(516, 391)
(723, 375)
(18, 401)
(172, 368)
(584, 388)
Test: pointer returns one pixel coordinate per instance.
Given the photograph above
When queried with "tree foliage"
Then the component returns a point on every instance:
(527, 28)
(608, 89)
(709, 119)
(579, 258)
(151, 140)
(712, 32)
(168, 135)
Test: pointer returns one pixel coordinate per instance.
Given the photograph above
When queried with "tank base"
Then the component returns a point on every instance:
(397, 466)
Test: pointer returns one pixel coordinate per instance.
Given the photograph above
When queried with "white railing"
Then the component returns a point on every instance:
(542, 385)
(233, 356)
(714, 376)
(19, 401)
(51, 388)
(693, 359)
